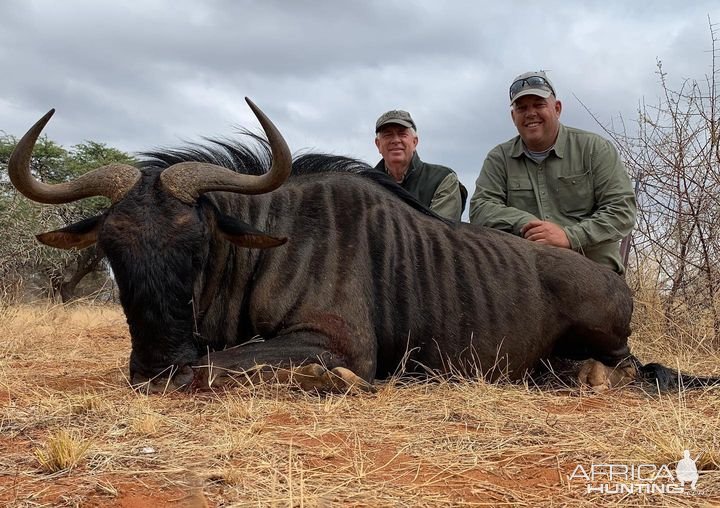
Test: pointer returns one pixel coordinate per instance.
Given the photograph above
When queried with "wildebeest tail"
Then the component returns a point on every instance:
(666, 379)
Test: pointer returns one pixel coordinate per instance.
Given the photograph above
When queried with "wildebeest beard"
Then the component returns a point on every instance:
(228, 258)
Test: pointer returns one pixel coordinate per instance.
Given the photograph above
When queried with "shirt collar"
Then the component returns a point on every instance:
(518, 149)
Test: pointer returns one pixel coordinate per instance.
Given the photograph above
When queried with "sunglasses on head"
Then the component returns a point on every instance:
(531, 82)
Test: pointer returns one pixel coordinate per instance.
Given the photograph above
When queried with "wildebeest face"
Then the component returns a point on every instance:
(156, 235)
(157, 247)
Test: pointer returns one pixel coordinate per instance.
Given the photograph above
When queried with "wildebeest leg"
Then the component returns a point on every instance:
(295, 359)
(316, 377)
(309, 377)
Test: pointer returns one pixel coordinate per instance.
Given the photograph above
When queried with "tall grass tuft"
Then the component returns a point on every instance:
(63, 450)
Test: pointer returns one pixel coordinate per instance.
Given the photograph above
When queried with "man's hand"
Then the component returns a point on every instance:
(547, 233)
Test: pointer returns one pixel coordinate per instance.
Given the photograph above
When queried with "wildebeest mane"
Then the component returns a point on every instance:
(252, 158)
(255, 158)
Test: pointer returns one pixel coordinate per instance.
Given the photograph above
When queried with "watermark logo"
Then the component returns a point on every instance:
(639, 478)
(686, 470)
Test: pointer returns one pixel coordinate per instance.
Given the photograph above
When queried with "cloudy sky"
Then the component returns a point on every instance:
(148, 73)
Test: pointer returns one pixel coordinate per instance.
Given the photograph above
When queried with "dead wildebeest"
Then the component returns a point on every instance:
(356, 278)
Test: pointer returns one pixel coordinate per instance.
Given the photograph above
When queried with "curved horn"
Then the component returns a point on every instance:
(111, 181)
(188, 180)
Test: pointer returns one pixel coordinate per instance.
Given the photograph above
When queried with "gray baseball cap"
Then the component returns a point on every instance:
(531, 83)
(397, 116)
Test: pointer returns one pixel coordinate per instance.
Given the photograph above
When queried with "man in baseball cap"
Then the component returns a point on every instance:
(435, 186)
(553, 184)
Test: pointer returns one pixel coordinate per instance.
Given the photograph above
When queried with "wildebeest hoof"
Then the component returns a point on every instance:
(600, 377)
(352, 381)
(315, 377)
(178, 379)
(311, 377)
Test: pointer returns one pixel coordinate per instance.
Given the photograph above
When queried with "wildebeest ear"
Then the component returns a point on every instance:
(244, 235)
(75, 236)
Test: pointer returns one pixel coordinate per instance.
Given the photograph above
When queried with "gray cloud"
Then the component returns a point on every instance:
(138, 75)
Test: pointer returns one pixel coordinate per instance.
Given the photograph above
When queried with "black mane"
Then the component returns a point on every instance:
(255, 158)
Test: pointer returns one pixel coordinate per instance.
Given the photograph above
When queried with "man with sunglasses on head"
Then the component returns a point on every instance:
(554, 184)
(435, 186)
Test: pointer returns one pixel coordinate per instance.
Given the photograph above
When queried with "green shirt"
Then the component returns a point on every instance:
(582, 186)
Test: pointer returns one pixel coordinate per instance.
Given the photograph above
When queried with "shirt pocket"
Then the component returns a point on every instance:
(521, 194)
(575, 194)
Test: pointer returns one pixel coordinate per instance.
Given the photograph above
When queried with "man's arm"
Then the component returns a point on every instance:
(488, 204)
(614, 216)
(447, 201)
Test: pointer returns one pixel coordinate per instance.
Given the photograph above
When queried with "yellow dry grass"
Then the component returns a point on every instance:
(73, 434)
(62, 451)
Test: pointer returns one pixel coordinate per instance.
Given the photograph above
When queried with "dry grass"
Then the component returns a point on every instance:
(62, 451)
(73, 434)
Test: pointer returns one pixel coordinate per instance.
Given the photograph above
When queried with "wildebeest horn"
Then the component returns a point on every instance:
(188, 180)
(111, 181)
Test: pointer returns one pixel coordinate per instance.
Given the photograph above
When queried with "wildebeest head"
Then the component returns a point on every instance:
(156, 235)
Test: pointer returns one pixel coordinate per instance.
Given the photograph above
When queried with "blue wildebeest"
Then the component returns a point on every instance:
(355, 279)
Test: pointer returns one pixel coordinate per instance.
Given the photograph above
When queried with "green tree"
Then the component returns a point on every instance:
(26, 266)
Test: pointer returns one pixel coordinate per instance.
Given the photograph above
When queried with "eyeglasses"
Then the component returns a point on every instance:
(531, 82)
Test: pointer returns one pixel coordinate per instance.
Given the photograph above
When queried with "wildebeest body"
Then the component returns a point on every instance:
(368, 279)
(363, 280)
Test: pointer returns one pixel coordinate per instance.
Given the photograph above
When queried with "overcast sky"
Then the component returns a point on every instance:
(141, 74)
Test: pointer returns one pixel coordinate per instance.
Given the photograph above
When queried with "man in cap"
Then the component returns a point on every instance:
(436, 187)
(554, 184)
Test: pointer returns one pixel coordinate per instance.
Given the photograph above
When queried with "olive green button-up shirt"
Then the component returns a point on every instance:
(582, 186)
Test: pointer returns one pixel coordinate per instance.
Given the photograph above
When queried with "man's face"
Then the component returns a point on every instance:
(396, 144)
(537, 120)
